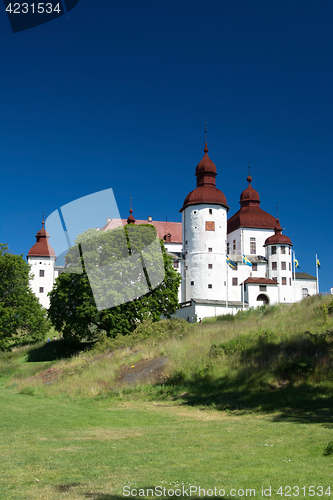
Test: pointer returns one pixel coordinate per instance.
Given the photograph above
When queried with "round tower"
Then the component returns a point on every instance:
(204, 222)
(41, 258)
(279, 267)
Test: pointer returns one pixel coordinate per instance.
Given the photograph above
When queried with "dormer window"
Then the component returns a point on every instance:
(167, 237)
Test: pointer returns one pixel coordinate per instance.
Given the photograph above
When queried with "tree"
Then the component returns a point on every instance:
(112, 282)
(21, 314)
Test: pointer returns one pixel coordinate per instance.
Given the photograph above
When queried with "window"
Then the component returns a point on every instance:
(194, 211)
(236, 267)
(192, 282)
(289, 266)
(305, 292)
(41, 289)
(228, 248)
(273, 250)
(274, 266)
(210, 225)
(289, 250)
(283, 266)
(274, 279)
(210, 211)
(262, 288)
(176, 265)
(234, 281)
(252, 245)
(210, 249)
(210, 286)
(234, 246)
(186, 268)
(283, 249)
(210, 266)
(41, 273)
(254, 267)
(284, 281)
(289, 281)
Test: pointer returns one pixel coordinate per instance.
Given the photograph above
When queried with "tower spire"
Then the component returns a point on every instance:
(206, 148)
(130, 219)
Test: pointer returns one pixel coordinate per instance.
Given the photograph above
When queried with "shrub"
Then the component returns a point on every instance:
(328, 450)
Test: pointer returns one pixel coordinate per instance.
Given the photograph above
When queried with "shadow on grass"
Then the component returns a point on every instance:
(279, 378)
(56, 349)
(301, 403)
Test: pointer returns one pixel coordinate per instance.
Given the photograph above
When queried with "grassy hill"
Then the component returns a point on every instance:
(271, 358)
(237, 403)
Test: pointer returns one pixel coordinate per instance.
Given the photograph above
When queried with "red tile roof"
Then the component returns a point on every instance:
(278, 237)
(206, 191)
(251, 216)
(261, 281)
(250, 213)
(41, 248)
(163, 228)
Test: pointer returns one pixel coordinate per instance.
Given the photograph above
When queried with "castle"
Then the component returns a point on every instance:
(226, 264)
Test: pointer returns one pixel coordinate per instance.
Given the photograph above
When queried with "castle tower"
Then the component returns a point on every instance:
(42, 258)
(279, 267)
(204, 222)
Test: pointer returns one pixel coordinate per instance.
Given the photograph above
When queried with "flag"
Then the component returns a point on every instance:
(318, 264)
(230, 262)
(246, 261)
(297, 263)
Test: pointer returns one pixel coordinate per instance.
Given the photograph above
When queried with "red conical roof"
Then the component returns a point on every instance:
(42, 248)
(249, 196)
(278, 237)
(250, 214)
(130, 218)
(206, 191)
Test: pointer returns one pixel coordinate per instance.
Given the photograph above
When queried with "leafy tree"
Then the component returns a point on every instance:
(113, 281)
(21, 315)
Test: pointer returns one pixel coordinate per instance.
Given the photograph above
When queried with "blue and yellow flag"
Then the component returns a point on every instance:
(297, 263)
(230, 262)
(246, 261)
(318, 264)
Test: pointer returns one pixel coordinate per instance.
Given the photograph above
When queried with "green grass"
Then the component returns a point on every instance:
(246, 402)
(93, 448)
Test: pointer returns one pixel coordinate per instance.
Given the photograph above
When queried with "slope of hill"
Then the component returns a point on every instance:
(271, 359)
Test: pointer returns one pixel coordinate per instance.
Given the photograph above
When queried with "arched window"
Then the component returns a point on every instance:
(305, 292)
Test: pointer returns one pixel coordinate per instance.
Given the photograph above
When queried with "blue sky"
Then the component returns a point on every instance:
(115, 94)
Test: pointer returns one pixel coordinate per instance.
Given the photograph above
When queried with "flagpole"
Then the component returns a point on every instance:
(226, 304)
(317, 273)
(294, 267)
(242, 251)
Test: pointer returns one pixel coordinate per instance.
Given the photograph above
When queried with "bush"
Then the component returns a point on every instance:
(328, 450)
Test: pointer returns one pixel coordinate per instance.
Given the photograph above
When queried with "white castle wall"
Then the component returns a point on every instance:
(45, 282)
(286, 293)
(197, 243)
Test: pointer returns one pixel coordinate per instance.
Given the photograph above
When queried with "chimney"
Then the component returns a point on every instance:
(150, 219)
(108, 220)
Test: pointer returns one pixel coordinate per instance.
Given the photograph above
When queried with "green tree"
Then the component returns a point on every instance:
(113, 282)
(22, 317)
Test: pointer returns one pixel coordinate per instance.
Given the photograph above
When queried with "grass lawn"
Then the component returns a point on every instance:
(54, 449)
(241, 404)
